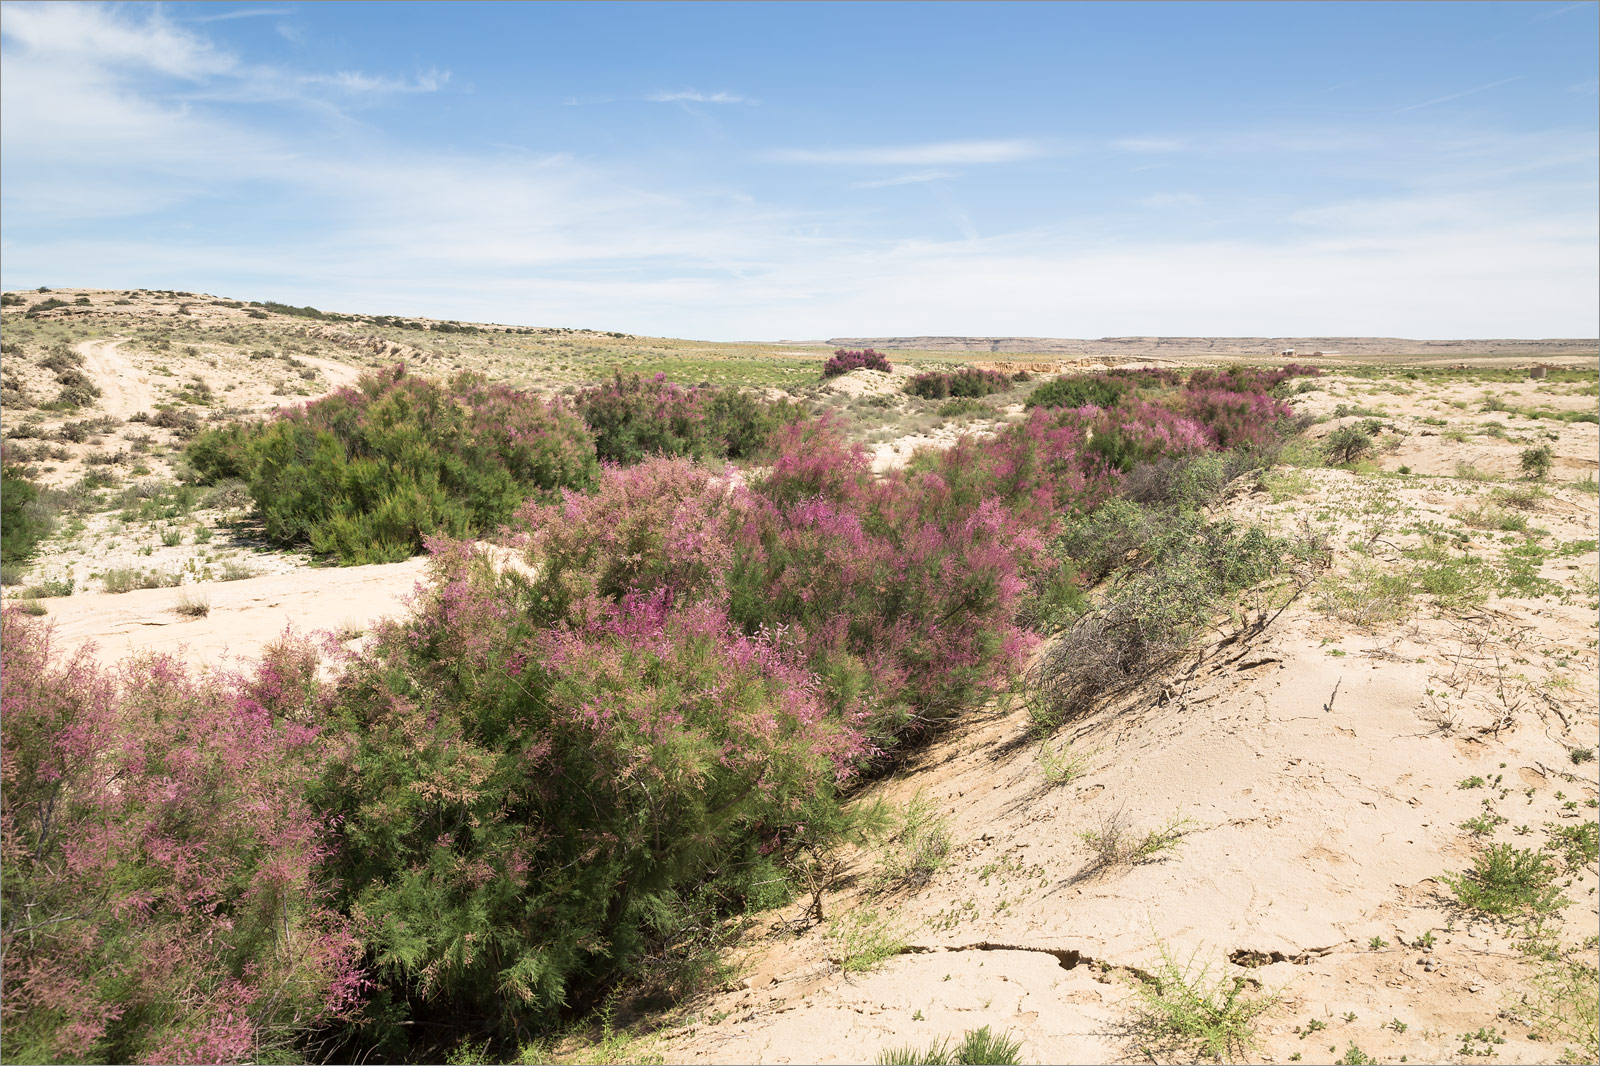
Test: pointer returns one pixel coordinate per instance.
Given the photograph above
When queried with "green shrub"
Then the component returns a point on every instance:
(1348, 444)
(364, 475)
(22, 523)
(1536, 462)
(1187, 1013)
(1507, 880)
(1080, 390)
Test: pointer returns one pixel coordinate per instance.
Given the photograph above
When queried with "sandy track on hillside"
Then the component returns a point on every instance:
(124, 389)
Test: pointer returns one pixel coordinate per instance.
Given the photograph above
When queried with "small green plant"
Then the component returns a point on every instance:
(1312, 1026)
(1397, 1025)
(979, 1047)
(1185, 1011)
(1506, 880)
(1484, 824)
(1060, 765)
(1470, 782)
(1354, 1056)
(1114, 842)
(1576, 845)
(171, 538)
(1347, 444)
(1536, 461)
(1427, 940)
(920, 846)
(1480, 1044)
(1377, 943)
(1563, 998)
(863, 939)
(1580, 756)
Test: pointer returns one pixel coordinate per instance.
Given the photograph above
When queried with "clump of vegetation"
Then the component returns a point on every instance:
(1537, 461)
(863, 939)
(969, 383)
(977, 1046)
(845, 360)
(633, 418)
(1507, 880)
(1347, 444)
(22, 522)
(1150, 615)
(1186, 1012)
(162, 882)
(1080, 390)
(365, 474)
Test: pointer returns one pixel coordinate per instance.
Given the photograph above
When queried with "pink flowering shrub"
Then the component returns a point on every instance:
(160, 881)
(845, 360)
(1146, 377)
(1235, 419)
(1247, 378)
(535, 799)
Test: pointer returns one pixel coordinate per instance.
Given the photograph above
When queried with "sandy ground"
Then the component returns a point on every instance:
(243, 615)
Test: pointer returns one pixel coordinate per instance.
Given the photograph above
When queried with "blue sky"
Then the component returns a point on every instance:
(768, 171)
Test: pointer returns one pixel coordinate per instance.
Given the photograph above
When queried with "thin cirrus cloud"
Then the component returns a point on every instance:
(914, 178)
(695, 96)
(1149, 144)
(356, 82)
(941, 153)
(1457, 96)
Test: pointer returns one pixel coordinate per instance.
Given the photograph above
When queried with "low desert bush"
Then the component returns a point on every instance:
(1149, 615)
(1347, 444)
(363, 475)
(1186, 1013)
(1080, 390)
(968, 383)
(845, 360)
(633, 418)
(1536, 461)
(1507, 880)
(22, 522)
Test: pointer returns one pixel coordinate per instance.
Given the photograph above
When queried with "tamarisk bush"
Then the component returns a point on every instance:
(364, 474)
(538, 795)
(162, 901)
(969, 382)
(635, 417)
(845, 360)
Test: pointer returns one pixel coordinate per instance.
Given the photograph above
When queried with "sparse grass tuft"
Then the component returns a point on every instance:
(1185, 1012)
(979, 1047)
(863, 939)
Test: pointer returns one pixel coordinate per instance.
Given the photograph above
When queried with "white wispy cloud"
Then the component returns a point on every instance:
(241, 13)
(1148, 144)
(1170, 199)
(429, 81)
(695, 96)
(941, 153)
(905, 179)
(1457, 96)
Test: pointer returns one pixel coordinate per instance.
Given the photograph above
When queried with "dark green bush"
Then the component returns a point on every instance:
(1080, 390)
(364, 475)
(22, 525)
